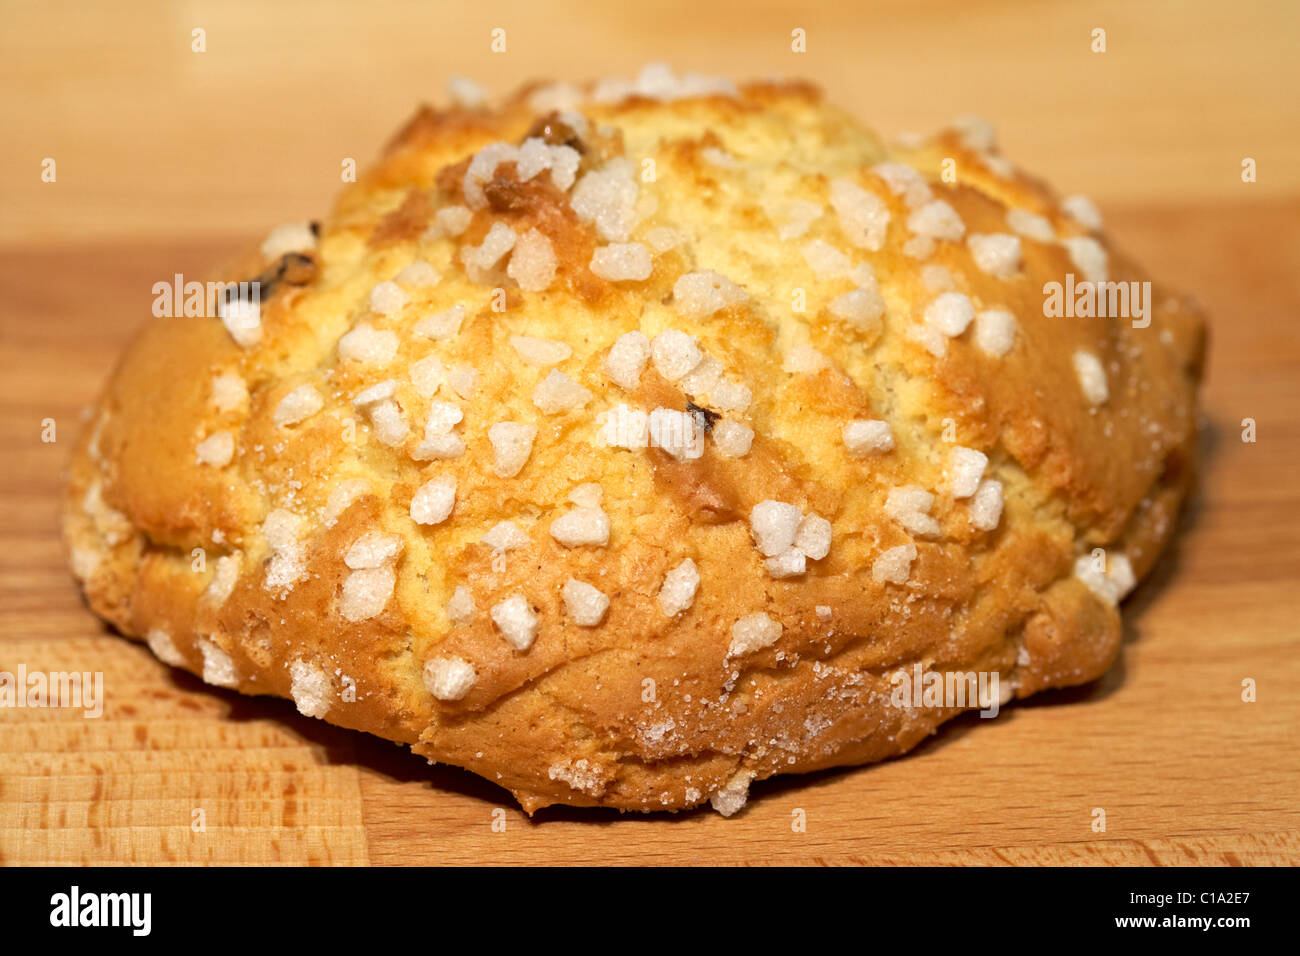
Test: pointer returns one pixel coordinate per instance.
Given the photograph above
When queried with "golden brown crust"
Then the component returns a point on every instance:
(231, 553)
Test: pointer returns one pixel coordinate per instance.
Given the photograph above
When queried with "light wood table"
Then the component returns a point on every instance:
(1185, 770)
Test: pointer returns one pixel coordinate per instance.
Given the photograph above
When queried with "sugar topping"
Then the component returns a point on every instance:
(731, 798)
(462, 379)
(825, 260)
(1089, 257)
(995, 332)
(753, 632)
(703, 378)
(894, 565)
(512, 444)
(950, 313)
(607, 197)
(366, 344)
(536, 156)
(805, 360)
(937, 220)
(449, 678)
(663, 238)
(218, 667)
(965, 470)
(387, 298)
(788, 564)
(373, 394)
(677, 593)
(1082, 210)
(533, 262)
(986, 505)
(675, 353)
(229, 392)
(697, 295)
(505, 536)
(719, 157)
(482, 167)
(581, 526)
(936, 278)
(1030, 224)
(541, 352)
(586, 605)
(730, 396)
(998, 254)
(788, 537)
(558, 393)
(1092, 377)
(378, 392)
(452, 220)
(555, 97)
(627, 359)
(310, 688)
(794, 217)
(679, 433)
(481, 259)
(814, 536)
(224, 577)
(581, 775)
(461, 608)
(1111, 582)
(517, 621)
(298, 405)
(905, 181)
(910, 505)
(533, 157)
(441, 325)
(432, 503)
(866, 436)
(289, 237)
(863, 215)
(373, 549)
(658, 82)
(111, 524)
(341, 497)
(366, 593)
(920, 247)
(465, 93)
(85, 562)
(160, 642)
(975, 132)
(732, 439)
(622, 262)
(774, 525)
(862, 308)
(427, 375)
(390, 426)
(242, 319)
(216, 450)
(587, 495)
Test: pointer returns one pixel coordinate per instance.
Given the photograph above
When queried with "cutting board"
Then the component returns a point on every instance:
(170, 159)
(1185, 770)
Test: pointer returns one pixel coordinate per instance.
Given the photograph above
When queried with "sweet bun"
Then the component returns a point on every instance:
(629, 442)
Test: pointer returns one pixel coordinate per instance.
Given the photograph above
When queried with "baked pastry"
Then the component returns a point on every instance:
(626, 443)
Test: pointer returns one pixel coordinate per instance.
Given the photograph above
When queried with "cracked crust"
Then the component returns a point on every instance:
(643, 711)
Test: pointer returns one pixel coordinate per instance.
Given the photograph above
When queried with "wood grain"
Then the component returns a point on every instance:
(153, 139)
(1186, 771)
(170, 161)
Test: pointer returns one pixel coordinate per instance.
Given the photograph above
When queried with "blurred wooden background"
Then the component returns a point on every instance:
(169, 160)
(151, 138)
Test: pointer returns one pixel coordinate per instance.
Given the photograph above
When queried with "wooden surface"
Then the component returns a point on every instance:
(151, 138)
(169, 163)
